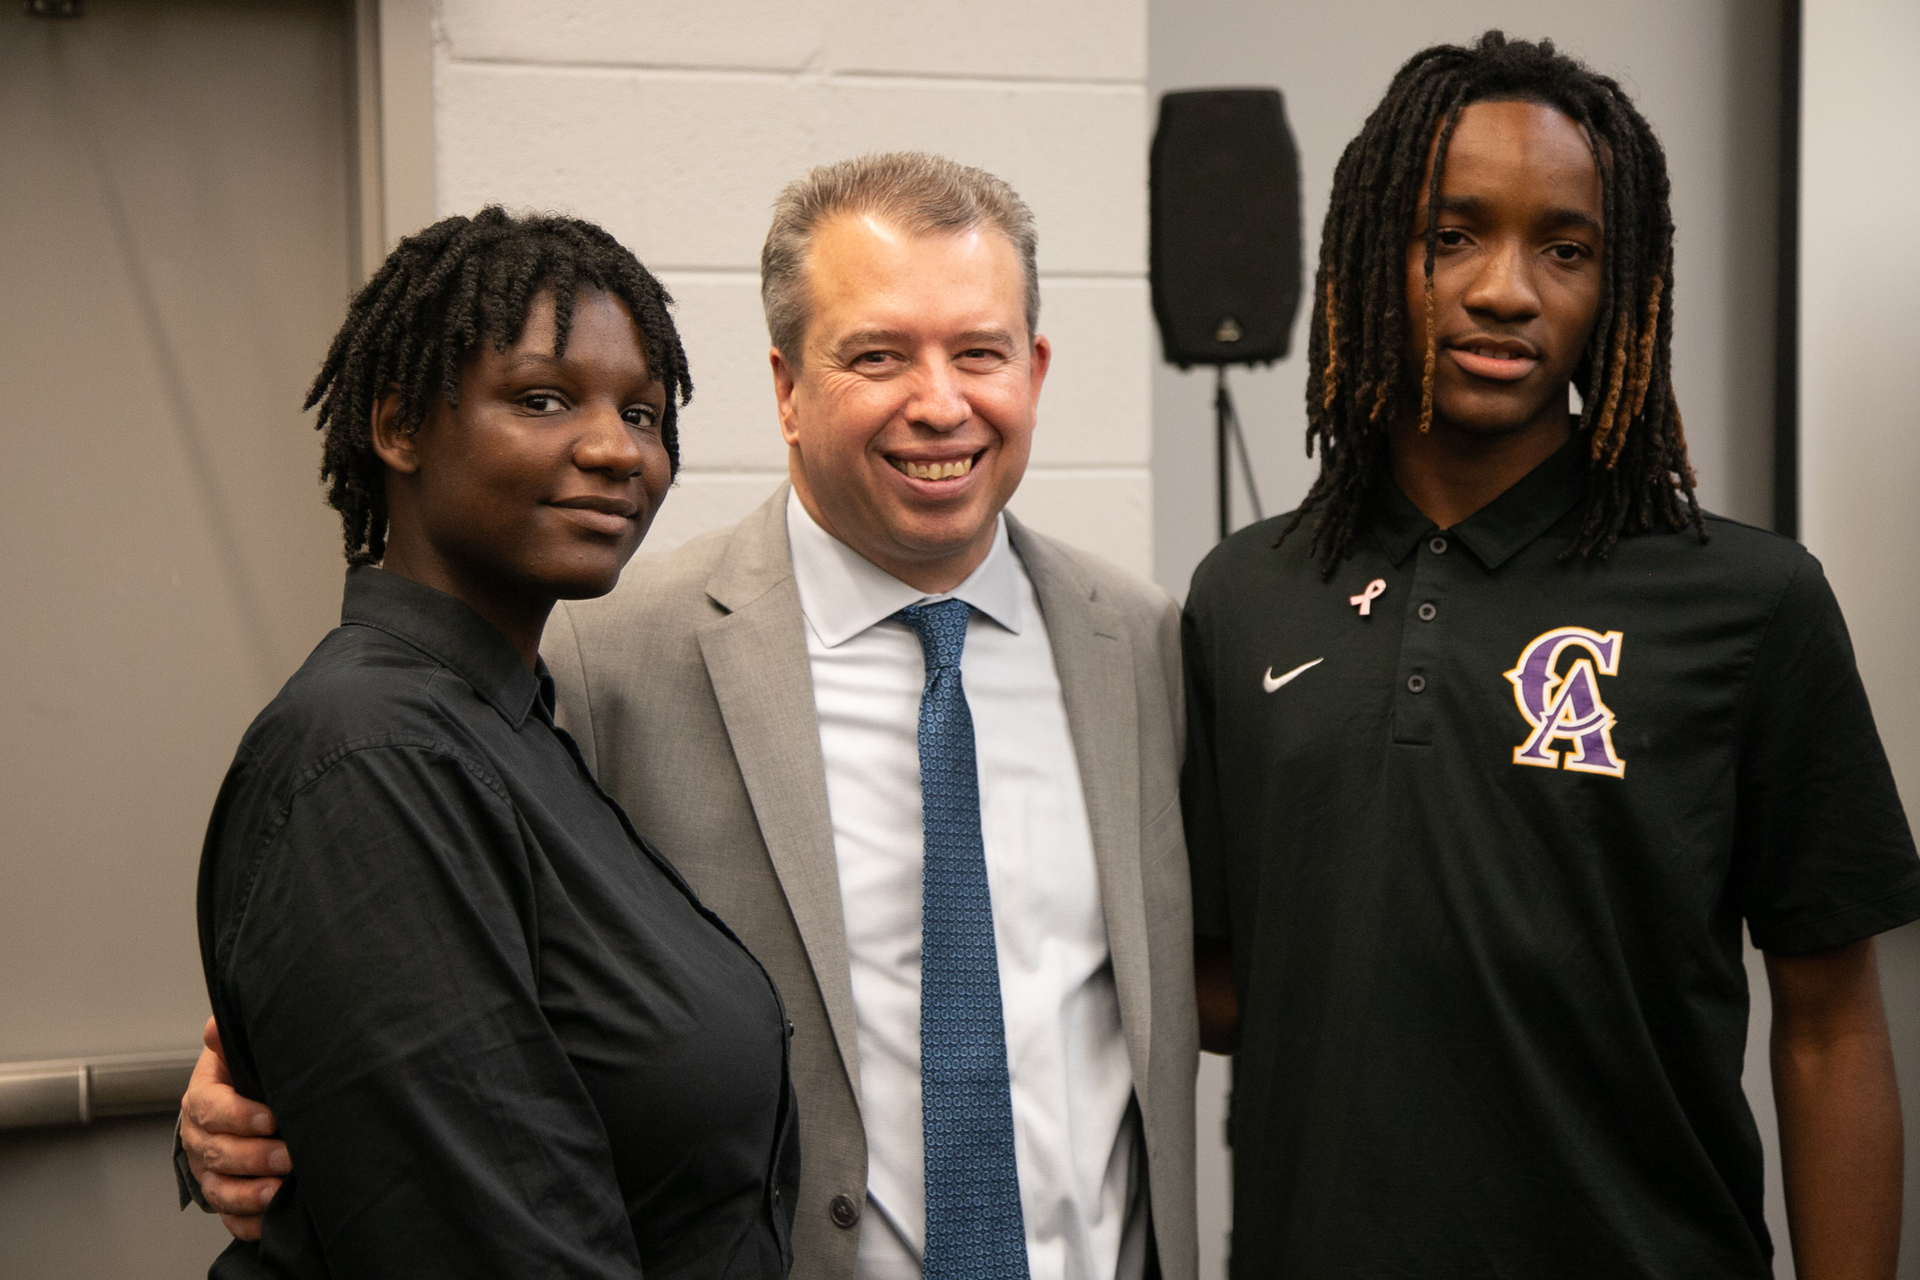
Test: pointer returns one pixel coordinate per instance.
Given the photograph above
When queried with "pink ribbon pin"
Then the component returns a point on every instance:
(1378, 587)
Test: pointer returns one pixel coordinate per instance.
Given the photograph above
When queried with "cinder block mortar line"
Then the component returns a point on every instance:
(804, 76)
(1118, 85)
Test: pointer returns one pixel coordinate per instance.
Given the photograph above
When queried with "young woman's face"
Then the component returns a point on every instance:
(1516, 273)
(542, 482)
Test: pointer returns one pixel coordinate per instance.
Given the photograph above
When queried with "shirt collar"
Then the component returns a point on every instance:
(451, 632)
(1534, 504)
(842, 593)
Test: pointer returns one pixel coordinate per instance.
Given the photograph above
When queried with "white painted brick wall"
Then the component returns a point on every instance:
(675, 125)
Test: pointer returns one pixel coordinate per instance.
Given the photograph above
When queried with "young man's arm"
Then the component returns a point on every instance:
(1839, 1108)
(1219, 1006)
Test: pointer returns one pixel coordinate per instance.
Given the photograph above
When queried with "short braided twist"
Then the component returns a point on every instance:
(440, 294)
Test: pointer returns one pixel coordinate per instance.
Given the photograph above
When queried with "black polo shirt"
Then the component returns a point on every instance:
(1482, 824)
(501, 1036)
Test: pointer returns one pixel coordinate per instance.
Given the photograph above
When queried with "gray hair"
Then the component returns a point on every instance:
(918, 192)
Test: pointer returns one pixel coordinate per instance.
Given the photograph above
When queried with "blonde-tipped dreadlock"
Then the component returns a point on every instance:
(1638, 477)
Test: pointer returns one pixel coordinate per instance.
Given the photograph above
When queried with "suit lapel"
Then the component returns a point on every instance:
(756, 658)
(1094, 659)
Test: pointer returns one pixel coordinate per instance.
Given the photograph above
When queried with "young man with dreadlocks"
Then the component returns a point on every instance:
(1498, 741)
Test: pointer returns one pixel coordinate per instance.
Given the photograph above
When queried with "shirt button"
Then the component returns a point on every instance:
(843, 1211)
(1437, 545)
(1427, 612)
(1416, 682)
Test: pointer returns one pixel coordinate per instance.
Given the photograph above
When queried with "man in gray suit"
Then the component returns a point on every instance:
(766, 703)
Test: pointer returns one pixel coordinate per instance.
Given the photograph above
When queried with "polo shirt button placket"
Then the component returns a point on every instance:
(1420, 643)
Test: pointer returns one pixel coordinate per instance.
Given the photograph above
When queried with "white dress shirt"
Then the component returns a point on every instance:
(1073, 1126)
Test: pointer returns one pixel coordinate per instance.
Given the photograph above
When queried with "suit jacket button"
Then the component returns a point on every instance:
(844, 1211)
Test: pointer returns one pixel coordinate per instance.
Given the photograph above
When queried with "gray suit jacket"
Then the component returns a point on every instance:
(689, 691)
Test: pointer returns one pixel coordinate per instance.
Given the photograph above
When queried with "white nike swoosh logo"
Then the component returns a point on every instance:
(1270, 681)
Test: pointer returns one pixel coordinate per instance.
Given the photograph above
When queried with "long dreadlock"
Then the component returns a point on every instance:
(439, 294)
(1637, 474)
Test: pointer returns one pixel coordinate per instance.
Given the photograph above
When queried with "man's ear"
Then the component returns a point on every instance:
(394, 447)
(785, 378)
(1040, 359)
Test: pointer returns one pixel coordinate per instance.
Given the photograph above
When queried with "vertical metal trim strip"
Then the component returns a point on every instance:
(1786, 351)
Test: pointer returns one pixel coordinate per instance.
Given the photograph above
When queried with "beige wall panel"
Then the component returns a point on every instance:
(1056, 40)
(172, 300)
(1860, 326)
(700, 501)
(731, 424)
(1071, 40)
(406, 105)
(1860, 409)
(98, 1204)
(173, 182)
(684, 167)
(1093, 407)
(1103, 510)
(768, 35)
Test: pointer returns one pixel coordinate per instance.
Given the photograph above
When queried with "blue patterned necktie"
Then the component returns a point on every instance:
(974, 1227)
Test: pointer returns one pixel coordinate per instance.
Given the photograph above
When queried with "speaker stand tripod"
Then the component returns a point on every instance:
(1226, 424)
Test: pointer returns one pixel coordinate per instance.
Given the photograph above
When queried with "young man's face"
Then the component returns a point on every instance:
(1516, 273)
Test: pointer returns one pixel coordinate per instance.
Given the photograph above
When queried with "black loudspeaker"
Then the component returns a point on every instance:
(1226, 227)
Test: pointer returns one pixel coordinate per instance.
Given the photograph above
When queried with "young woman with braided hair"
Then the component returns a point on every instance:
(1498, 741)
(497, 1032)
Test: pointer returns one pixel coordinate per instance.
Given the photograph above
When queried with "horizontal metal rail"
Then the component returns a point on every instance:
(70, 1091)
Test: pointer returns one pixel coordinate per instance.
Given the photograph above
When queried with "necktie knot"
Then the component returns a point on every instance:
(942, 628)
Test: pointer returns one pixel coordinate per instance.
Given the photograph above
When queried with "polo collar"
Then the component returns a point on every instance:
(842, 593)
(449, 631)
(1499, 530)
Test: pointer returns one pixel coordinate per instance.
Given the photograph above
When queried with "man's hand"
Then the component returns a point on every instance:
(237, 1166)
(1839, 1107)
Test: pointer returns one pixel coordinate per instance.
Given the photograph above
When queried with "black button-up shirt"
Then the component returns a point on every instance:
(1482, 824)
(501, 1036)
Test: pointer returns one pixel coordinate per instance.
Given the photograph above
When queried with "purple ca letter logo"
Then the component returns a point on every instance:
(1567, 707)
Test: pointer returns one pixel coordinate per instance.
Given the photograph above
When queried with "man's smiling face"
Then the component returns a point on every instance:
(909, 420)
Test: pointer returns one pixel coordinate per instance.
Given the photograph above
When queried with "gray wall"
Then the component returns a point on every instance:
(175, 260)
(1860, 405)
(1705, 73)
